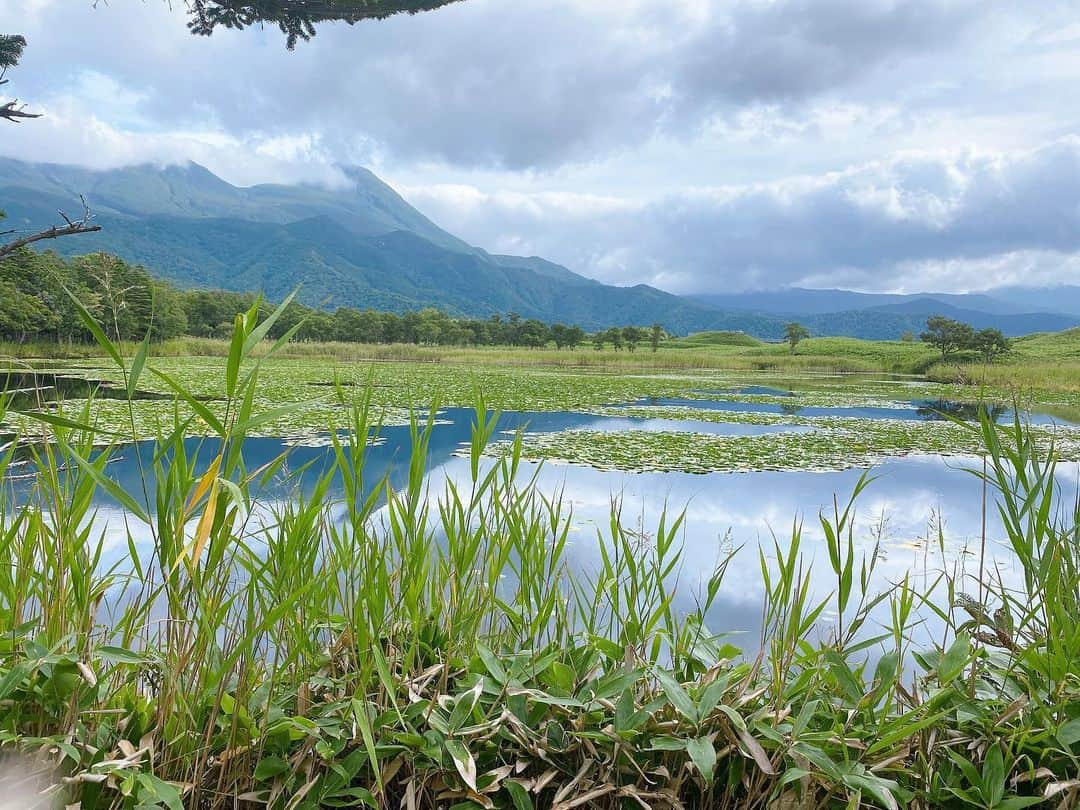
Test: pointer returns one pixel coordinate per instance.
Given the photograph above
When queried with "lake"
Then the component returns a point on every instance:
(922, 512)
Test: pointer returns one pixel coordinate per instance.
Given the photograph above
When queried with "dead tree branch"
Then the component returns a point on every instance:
(71, 228)
(12, 112)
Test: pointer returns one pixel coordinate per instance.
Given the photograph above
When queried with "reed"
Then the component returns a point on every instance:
(400, 646)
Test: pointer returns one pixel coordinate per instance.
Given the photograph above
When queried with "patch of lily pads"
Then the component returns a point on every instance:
(323, 392)
(836, 443)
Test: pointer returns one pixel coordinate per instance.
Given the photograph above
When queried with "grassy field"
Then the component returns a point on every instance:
(399, 648)
(1050, 361)
(1045, 360)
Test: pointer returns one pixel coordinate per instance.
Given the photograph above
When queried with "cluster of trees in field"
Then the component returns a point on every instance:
(950, 336)
(129, 303)
(945, 334)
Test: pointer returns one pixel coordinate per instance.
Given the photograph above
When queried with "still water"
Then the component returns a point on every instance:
(922, 514)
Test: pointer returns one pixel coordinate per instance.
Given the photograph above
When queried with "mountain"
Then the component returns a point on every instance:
(369, 207)
(1058, 298)
(890, 321)
(801, 301)
(887, 316)
(361, 246)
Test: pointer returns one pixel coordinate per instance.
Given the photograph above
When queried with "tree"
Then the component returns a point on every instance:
(947, 335)
(633, 336)
(990, 344)
(794, 334)
(560, 334)
(532, 333)
(170, 319)
(318, 327)
(11, 50)
(21, 315)
(566, 336)
(431, 326)
(656, 334)
(598, 341)
(296, 18)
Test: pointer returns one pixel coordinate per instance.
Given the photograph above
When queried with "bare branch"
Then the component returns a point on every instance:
(56, 231)
(13, 113)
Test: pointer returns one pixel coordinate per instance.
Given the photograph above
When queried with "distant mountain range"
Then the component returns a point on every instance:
(1061, 299)
(1013, 310)
(364, 246)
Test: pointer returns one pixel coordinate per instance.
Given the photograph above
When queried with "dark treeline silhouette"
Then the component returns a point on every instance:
(35, 305)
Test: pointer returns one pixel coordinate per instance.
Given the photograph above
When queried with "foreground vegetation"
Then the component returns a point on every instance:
(402, 649)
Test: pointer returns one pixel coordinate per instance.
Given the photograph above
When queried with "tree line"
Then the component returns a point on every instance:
(129, 303)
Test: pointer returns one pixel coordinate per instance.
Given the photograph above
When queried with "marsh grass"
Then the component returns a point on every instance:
(403, 647)
(1046, 362)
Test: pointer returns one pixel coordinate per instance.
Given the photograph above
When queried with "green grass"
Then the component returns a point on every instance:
(1042, 362)
(822, 353)
(703, 340)
(393, 649)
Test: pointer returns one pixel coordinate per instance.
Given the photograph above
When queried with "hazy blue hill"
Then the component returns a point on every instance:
(890, 321)
(800, 301)
(1058, 298)
(796, 301)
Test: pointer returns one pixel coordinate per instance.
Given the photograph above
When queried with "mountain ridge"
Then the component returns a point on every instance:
(365, 246)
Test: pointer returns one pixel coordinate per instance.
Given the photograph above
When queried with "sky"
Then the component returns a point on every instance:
(696, 145)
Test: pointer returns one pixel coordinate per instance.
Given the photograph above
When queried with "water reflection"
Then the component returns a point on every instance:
(29, 389)
(922, 513)
(914, 410)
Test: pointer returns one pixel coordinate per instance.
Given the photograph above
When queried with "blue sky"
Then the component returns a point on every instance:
(698, 146)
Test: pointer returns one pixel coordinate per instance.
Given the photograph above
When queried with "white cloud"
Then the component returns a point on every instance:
(942, 221)
(697, 144)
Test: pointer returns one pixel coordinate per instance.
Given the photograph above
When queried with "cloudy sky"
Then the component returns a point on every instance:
(697, 145)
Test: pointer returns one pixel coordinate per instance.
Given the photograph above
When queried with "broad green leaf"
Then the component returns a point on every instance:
(518, 795)
(360, 713)
(159, 791)
(703, 754)
(955, 659)
(463, 762)
(137, 365)
(269, 767)
(1069, 733)
(678, 696)
(119, 655)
